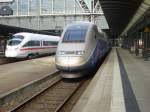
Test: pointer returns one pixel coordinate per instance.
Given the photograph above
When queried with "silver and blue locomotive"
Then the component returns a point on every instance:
(80, 48)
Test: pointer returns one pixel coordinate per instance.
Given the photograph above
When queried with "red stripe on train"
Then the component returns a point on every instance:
(37, 48)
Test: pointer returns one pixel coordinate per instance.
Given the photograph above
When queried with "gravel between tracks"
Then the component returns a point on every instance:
(73, 100)
(51, 99)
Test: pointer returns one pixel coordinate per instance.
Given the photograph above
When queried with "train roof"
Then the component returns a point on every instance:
(26, 33)
(80, 25)
(37, 36)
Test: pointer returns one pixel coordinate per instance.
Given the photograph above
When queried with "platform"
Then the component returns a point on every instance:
(105, 93)
(15, 75)
(120, 85)
(136, 81)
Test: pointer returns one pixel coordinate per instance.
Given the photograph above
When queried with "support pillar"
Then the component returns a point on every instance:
(17, 7)
(132, 47)
(28, 7)
(146, 46)
(146, 43)
(52, 6)
(137, 45)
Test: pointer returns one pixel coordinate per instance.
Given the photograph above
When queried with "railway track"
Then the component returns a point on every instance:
(51, 99)
(4, 60)
(17, 97)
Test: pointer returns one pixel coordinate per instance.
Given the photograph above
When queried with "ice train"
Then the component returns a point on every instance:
(80, 48)
(30, 45)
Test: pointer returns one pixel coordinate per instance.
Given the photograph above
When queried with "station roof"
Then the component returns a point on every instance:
(118, 13)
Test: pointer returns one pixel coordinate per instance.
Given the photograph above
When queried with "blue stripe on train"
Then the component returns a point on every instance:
(98, 53)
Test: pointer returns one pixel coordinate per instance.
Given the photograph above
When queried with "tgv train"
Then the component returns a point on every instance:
(30, 45)
(80, 48)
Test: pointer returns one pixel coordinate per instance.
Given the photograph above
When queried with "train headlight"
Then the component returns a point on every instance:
(80, 52)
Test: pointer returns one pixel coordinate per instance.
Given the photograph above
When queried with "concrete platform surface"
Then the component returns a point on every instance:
(16, 74)
(136, 82)
(105, 92)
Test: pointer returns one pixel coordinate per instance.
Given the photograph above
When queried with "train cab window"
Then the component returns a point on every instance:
(74, 36)
(50, 43)
(32, 43)
(14, 42)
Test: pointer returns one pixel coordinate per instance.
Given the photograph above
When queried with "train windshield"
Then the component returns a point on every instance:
(16, 40)
(74, 36)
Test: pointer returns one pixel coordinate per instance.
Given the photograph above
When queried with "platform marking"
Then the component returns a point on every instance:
(117, 102)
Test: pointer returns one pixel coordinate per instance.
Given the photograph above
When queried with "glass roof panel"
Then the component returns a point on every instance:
(88, 3)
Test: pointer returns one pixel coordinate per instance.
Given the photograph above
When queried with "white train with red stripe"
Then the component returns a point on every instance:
(30, 45)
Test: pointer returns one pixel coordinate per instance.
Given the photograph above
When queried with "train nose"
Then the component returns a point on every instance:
(63, 61)
(74, 61)
(69, 63)
(10, 52)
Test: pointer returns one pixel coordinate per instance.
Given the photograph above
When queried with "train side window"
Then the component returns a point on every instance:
(32, 43)
(54, 43)
(45, 43)
(49, 43)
